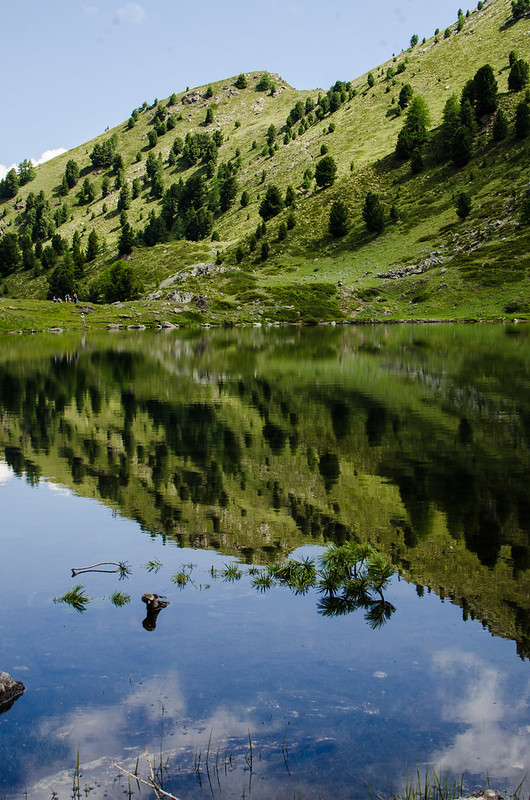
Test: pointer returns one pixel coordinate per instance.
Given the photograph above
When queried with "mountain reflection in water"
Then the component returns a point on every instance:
(257, 445)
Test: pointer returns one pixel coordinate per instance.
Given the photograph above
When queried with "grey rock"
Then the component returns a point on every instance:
(414, 269)
(10, 690)
(200, 301)
(180, 297)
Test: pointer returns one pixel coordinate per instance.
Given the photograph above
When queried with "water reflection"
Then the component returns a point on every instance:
(492, 728)
(251, 444)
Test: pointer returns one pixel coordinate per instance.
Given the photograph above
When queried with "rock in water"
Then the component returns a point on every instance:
(10, 690)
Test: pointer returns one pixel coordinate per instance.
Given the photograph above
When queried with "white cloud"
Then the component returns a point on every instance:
(490, 726)
(102, 733)
(47, 155)
(4, 170)
(58, 488)
(130, 12)
(6, 473)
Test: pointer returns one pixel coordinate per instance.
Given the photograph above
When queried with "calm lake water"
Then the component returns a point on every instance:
(189, 451)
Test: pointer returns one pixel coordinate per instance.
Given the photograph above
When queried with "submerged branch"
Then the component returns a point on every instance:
(121, 567)
(150, 781)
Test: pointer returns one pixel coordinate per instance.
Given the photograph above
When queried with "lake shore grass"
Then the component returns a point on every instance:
(34, 316)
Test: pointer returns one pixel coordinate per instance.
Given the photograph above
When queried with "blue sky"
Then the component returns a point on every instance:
(71, 68)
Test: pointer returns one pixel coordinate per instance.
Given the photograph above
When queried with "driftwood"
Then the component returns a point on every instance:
(120, 567)
(154, 605)
(10, 691)
(151, 780)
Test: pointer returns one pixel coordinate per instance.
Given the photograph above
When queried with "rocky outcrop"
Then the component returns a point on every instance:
(10, 690)
(434, 260)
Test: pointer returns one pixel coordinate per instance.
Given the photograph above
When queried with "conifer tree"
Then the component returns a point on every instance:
(415, 130)
(338, 219)
(500, 126)
(290, 196)
(126, 240)
(325, 172)
(485, 91)
(272, 203)
(518, 76)
(463, 205)
(92, 246)
(522, 120)
(71, 173)
(373, 213)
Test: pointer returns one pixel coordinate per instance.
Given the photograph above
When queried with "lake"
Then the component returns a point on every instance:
(196, 460)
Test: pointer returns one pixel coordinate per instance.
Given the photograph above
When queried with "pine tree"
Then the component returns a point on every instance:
(500, 126)
(338, 219)
(373, 213)
(416, 160)
(77, 254)
(451, 121)
(518, 76)
(71, 172)
(485, 91)
(405, 95)
(272, 203)
(11, 183)
(290, 221)
(92, 249)
(62, 280)
(63, 188)
(415, 130)
(26, 172)
(126, 240)
(522, 120)
(463, 205)
(462, 147)
(10, 255)
(325, 172)
(290, 196)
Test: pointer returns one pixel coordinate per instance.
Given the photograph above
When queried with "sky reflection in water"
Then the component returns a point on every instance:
(225, 660)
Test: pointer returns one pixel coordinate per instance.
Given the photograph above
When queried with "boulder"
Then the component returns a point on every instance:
(10, 690)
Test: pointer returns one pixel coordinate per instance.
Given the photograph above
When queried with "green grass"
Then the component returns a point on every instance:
(76, 598)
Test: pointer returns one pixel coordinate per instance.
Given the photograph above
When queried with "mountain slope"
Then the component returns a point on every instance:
(426, 263)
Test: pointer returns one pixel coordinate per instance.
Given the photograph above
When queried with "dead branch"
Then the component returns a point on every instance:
(150, 782)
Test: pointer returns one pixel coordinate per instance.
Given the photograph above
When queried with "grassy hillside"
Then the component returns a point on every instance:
(471, 268)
